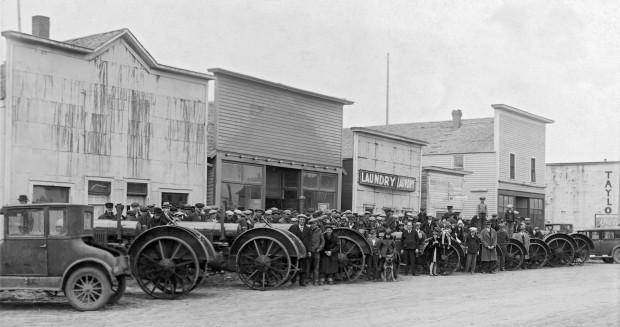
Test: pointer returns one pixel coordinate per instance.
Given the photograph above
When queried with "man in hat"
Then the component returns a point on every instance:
(165, 207)
(286, 217)
(200, 211)
(390, 221)
(511, 218)
(422, 216)
(450, 216)
(144, 217)
(538, 233)
(212, 216)
(23, 199)
(192, 215)
(373, 261)
(524, 237)
(472, 242)
(108, 214)
(528, 226)
(317, 242)
(410, 243)
(481, 210)
(303, 233)
(488, 238)
(502, 242)
(159, 218)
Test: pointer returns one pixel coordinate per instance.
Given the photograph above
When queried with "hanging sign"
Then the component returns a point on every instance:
(395, 182)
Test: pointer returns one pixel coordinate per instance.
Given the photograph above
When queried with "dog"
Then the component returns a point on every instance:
(387, 275)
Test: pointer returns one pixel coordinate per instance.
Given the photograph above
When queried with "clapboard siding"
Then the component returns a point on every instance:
(482, 182)
(442, 160)
(526, 139)
(256, 119)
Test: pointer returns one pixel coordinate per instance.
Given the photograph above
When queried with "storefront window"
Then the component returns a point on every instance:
(502, 204)
(241, 186)
(320, 190)
(537, 210)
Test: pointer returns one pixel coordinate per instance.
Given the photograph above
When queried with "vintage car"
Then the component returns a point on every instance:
(558, 228)
(606, 243)
(50, 247)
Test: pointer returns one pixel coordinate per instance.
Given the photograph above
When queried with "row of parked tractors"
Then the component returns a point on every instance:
(170, 261)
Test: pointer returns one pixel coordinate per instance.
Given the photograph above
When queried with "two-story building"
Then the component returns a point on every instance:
(504, 156)
(96, 119)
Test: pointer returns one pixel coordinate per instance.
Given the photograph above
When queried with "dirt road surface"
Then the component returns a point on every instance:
(587, 295)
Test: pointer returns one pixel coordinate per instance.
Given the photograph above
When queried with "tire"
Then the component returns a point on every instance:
(617, 255)
(118, 290)
(88, 289)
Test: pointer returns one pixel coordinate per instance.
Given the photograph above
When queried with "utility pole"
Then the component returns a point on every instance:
(387, 97)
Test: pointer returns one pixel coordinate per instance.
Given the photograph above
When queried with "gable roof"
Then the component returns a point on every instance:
(474, 136)
(94, 45)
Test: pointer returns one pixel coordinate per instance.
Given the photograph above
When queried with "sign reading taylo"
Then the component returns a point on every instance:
(372, 178)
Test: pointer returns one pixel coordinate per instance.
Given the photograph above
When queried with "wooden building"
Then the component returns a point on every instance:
(96, 119)
(585, 194)
(504, 153)
(274, 145)
(443, 187)
(383, 171)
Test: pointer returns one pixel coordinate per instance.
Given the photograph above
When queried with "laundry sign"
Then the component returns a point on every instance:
(372, 178)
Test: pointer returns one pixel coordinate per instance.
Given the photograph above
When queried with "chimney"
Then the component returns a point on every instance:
(456, 119)
(41, 26)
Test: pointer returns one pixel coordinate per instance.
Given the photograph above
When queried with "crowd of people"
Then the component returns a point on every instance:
(400, 238)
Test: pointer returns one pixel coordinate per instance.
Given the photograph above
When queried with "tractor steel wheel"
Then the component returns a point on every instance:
(514, 257)
(582, 252)
(448, 260)
(351, 260)
(562, 252)
(538, 256)
(264, 263)
(166, 267)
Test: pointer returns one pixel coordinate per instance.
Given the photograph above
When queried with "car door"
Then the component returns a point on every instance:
(595, 237)
(24, 251)
(607, 242)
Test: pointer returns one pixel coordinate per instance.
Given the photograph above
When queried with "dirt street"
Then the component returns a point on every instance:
(586, 295)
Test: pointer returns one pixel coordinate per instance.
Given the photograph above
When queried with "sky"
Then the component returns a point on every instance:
(556, 59)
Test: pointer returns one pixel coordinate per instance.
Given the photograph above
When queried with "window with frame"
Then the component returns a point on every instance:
(175, 199)
(608, 235)
(319, 188)
(50, 194)
(99, 194)
(533, 170)
(30, 222)
(137, 192)
(502, 204)
(537, 210)
(241, 186)
(458, 161)
(512, 166)
(594, 235)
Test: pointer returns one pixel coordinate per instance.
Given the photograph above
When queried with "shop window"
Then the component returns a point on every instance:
(50, 194)
(512, 166)
(533, 170)
(502, 204)
(319, 189)
(137, 192)
(252, 174)
(175, 199)
(537, 211)
(241, 186)
(98, 195)
(458, 161)
(231, 172)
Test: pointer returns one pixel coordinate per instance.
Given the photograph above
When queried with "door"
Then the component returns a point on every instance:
(607, 242)
(24, 251)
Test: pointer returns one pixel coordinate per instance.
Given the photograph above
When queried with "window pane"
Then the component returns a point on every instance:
(99, 188)
(608, 235)
(274, 183)
(310, 180)
(252, 174)
(458, 161)
(594, 235)
(26, 222)
(50, 194)
(175, 199)
(137, 189)
(512, 166)
(290, 194)
(232, 195)
(290, 179)
(231, 172)
(328, 182)
(57, 222)
(88, 220)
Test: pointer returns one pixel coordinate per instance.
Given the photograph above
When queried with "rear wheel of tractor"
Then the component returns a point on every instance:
(88, 289)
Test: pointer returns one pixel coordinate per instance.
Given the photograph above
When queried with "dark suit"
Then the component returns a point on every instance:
(410, 242)
(303, 263)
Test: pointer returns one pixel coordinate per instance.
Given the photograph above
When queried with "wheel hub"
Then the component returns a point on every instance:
(263, 262)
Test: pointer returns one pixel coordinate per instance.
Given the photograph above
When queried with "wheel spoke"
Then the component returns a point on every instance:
(161, 250)
(174, 253)
(257, 249)
(269, 248)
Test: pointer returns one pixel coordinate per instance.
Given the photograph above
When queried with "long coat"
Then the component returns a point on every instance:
(329, 264)
(525, 239)
(488, 238)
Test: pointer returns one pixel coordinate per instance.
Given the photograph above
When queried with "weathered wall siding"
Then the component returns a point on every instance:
(109, 117)
(391, 157)
(526, 139)
(575, 193)
(481, 181)
(438, 187)
(265, 121)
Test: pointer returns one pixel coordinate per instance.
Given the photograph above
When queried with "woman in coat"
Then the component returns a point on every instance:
(329, 256)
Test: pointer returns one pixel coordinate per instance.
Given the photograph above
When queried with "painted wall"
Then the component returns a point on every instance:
(577, 192)
(390, 157)
(481, 182)
(108, 118)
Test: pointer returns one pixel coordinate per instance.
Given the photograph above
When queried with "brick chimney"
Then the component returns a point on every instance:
(41, 26)
(456, 119)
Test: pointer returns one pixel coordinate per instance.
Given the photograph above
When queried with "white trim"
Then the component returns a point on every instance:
(173, 190)
(139, 181)
(103, 179)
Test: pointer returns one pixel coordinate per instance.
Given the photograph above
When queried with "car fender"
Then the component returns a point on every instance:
(86, 262)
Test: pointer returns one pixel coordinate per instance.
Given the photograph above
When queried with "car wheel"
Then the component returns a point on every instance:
(118, 290)
(88, 289)
(617, 255)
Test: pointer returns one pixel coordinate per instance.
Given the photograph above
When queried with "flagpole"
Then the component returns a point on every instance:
(387, 97)
(19, 16)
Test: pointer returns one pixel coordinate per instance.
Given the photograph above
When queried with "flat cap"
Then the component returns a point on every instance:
(200, 205)
(212, 211)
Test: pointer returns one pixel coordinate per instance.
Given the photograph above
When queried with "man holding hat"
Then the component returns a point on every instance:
(108, 214)
(303, 233)
(488, 238)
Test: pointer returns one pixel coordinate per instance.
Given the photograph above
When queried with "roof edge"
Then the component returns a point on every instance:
(388, 135)
(522, 113)
(447, 170)
(278, 85)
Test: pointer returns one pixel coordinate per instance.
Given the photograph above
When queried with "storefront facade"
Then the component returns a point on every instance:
(383, 171)
(275, 146)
